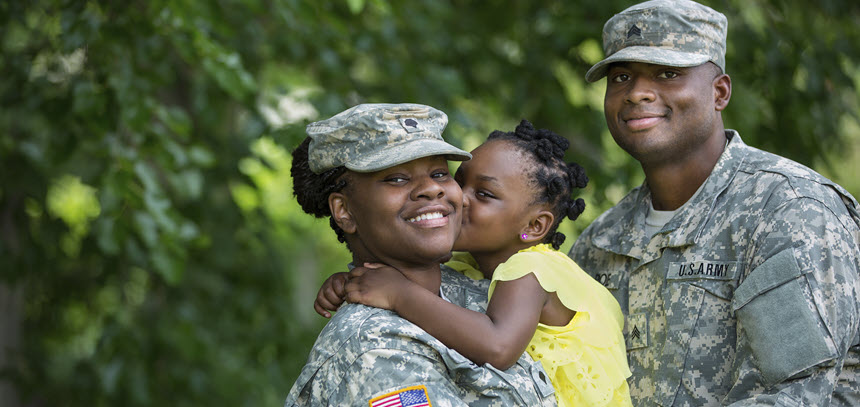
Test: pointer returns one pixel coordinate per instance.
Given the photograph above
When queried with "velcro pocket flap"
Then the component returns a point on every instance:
(783, 331)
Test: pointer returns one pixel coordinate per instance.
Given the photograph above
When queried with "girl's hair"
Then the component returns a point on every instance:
(312, 190)
(552, 177)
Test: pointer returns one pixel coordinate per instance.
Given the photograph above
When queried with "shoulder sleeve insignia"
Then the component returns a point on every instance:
(413, 396)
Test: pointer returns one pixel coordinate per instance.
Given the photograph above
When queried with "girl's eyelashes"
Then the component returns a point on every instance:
(482, 193)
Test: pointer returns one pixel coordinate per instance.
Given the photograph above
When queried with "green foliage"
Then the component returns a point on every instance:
(146, 213)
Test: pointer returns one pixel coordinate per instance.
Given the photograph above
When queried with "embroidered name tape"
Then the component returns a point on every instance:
(711, 270)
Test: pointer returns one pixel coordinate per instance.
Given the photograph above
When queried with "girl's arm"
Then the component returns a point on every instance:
(498, 337)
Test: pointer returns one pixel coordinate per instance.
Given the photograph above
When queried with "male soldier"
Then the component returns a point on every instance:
(737, 269)
(368, 356)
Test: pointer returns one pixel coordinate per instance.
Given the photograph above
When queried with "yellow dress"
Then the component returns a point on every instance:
(586, 360)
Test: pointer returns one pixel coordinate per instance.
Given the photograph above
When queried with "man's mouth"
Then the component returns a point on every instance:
(642, 121)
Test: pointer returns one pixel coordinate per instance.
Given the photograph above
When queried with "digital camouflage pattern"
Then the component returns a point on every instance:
(749, 294)
(366, 352)
(372, 137)
(663, 32)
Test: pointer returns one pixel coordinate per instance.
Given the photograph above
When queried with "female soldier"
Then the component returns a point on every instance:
(380, 173)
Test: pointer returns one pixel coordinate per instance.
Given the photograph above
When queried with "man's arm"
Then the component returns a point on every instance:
(797, 309)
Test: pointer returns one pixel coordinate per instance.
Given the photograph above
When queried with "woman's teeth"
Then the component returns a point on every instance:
(433, 215)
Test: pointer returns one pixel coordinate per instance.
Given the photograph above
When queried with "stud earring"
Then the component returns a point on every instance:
(524, 236)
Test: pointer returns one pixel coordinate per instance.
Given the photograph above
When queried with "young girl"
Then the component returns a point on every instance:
(516, 190)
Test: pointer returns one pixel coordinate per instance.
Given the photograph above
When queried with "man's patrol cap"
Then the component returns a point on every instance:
(372, 137)
(678, 33)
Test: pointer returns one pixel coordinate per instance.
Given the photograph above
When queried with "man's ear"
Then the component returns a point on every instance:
(539, 226)
(338, 204)
(722, 91)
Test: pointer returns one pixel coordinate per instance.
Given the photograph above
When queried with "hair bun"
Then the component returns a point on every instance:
(557, 240)
(575, 208)
(578, 178)
(525, 130)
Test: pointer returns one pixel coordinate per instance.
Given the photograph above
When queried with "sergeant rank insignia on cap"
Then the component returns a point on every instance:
(410, 124)
(634, 30)
(413, 396)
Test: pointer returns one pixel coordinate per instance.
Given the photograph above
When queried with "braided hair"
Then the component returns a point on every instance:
(312, 190)
(552, 177)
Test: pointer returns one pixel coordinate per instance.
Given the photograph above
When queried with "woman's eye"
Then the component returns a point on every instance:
(396, 179)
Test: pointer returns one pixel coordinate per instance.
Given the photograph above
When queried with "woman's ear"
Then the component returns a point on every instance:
(539, 226)
(339, 206)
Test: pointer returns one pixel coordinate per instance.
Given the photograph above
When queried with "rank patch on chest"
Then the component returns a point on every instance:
(413, 396)
(711, 270)
(637, 331)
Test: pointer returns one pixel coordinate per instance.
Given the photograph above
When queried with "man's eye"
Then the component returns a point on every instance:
(440, 174)
(396, 179)
(622, 77)
(669, 75)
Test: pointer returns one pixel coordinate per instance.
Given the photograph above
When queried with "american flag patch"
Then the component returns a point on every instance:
(415, 396)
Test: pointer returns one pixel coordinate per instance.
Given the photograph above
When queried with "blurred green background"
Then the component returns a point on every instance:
(151, 252)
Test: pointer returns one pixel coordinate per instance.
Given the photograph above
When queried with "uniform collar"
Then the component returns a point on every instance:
(627, 237)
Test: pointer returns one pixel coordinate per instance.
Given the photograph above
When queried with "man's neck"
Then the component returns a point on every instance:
(673, 183)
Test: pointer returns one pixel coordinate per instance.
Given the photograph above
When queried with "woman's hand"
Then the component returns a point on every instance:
(377, 285)
(331, 295)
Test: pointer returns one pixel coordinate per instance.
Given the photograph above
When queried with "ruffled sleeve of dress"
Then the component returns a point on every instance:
(586, 359)
(465, 264)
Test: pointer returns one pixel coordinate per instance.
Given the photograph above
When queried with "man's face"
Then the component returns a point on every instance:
(660, 114)
(408, 214)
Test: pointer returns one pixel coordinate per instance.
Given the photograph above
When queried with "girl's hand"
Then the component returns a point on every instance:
(376, 285)
(331, 295)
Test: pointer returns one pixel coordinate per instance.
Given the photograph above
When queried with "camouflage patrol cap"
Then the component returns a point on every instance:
(372, 137)
(677, 33)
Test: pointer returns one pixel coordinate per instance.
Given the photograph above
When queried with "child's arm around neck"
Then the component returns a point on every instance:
(498, 337)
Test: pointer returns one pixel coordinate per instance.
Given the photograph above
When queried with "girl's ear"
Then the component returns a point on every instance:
(338, 204)
(539, 226)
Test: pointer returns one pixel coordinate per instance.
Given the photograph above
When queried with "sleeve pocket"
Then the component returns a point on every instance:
(782, 330)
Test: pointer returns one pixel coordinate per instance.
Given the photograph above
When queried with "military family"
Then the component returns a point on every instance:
(729, 277)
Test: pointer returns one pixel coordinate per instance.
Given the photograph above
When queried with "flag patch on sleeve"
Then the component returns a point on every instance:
(413, 396)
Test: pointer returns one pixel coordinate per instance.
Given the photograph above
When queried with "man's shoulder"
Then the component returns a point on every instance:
(780, 176)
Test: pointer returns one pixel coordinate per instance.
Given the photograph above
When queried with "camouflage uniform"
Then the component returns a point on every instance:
(367, 352)
(748, 295)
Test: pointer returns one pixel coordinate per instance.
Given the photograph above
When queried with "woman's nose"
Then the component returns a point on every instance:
(428, 188)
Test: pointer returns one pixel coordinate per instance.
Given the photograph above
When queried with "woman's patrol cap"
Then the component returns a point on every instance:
(677, 33)
(372, 137)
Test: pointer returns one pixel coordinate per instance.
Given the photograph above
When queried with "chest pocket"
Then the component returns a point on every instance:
(697, 301)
